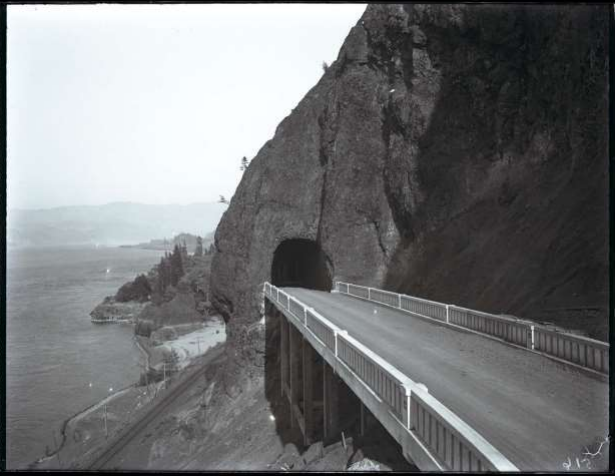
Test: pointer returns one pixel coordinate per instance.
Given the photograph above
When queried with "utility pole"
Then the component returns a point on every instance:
(105, 412)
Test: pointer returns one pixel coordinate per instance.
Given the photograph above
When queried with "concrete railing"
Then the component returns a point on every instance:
(324, 332)
(432, 309)
(297, 309)
(383, 297)
(398, 301)
(582, 351)
(358, 291)
(343, 287)
(448, 440)
(456, 444)
(377, 375)
(505, 328)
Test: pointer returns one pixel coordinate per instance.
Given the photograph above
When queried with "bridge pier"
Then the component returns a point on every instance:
(284, 357)
(305, 377)
(295, 378)
(367, 419)
(363, 416)
(308, 391)
(330, 402)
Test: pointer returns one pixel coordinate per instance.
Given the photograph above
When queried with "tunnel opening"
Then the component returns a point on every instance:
(301, 263)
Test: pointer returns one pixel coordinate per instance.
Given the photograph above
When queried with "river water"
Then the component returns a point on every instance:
(58, 362)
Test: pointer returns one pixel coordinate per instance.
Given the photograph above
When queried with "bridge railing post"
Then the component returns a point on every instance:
(447, 314)
(532, 336)
(408, 406)
(335, 334)
(336, 346)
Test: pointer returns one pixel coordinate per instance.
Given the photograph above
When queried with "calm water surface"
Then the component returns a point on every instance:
(58, 362)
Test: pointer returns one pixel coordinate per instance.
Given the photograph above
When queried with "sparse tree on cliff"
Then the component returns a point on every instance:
(137, 290)
(164, 274)
(160, 279)
(198, 251)
(177, 267)
(244, 164)
(223, 200)
(184, 251)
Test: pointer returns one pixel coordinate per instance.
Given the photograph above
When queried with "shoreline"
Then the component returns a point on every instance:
(127, 400)
(67, 421)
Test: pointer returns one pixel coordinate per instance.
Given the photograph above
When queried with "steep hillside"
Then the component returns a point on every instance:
(457, 153)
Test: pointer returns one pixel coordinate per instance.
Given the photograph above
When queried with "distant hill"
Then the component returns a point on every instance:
(119, 223)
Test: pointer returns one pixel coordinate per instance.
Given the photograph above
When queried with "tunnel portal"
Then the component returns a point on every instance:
(301, 263)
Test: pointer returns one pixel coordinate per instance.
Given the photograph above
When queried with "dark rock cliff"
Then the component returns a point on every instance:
(457, 153)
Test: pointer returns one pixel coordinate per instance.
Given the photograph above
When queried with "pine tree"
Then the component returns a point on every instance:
(168, 274)
(161, 284)
(198, 251)
(177, 268)
(244, 164)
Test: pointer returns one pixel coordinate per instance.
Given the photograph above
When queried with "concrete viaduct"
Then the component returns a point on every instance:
(458, 389)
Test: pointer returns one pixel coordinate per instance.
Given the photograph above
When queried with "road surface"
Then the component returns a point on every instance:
(536, 411)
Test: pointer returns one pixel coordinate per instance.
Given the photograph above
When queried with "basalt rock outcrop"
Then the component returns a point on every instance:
(453, 152)
(112, 310)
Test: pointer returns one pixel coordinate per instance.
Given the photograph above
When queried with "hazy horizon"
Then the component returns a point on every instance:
(118, 223)
(154, 104)
(117, 202)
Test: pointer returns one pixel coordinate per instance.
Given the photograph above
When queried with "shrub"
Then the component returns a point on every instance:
(143, 328)
(137, 290)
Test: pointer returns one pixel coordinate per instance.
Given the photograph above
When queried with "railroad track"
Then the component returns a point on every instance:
(121, 440)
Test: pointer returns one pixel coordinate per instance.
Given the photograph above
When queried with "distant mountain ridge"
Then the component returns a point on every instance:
(112, 224)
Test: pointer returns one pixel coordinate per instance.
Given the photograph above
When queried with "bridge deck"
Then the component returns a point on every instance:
(537, 412)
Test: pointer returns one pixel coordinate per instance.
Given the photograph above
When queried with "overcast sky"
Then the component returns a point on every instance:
(154, 103)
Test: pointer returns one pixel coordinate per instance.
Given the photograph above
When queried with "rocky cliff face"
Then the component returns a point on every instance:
(457, 153)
